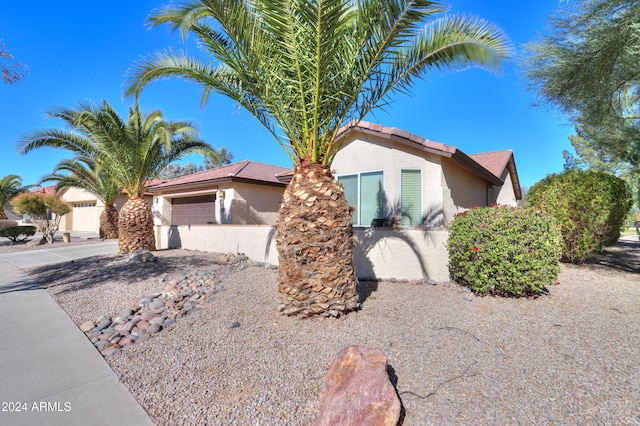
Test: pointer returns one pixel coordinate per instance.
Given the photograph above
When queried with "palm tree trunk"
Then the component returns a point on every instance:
(315, 246)
(135, 230)
(3, 216)
(109, 223)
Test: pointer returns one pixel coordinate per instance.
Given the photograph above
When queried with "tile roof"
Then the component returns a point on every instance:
(243, 170)
(490, 165)
(403, 134)
(47, 190)
(495, 161)
(435, 147)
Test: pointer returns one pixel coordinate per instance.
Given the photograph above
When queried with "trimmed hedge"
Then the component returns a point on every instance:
(504, 250)
(7, 223)
(18, 233)
(589, 206)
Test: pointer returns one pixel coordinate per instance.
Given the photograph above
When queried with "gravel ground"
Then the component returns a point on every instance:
(569, 357)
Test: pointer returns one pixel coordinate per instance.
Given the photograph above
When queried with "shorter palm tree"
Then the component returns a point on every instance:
(136, 151)
(10, 186)
(86, 174)
(131, 151)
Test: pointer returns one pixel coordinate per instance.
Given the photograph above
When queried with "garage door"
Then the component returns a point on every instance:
(85, 217)
(193, 210)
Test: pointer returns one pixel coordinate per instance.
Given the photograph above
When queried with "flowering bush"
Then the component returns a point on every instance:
(589, 206)
(504, 250)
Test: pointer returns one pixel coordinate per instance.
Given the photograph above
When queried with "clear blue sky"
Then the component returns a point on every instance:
(80, 51)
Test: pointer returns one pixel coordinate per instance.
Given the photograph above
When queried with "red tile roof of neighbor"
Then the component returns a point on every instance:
(243, 171)
(47, 190)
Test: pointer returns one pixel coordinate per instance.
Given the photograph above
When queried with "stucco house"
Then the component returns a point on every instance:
(396, 178)
(243, 193)
(239, 197)
(407, 187)
(406, 190)
(86, 209)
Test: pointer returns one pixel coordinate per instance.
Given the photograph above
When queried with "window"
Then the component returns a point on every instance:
(365, 191)
(411, 197)
(78, 205)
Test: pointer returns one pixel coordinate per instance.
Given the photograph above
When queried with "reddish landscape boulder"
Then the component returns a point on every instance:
(357, 390)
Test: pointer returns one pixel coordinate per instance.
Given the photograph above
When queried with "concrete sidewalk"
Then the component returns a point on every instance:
(49, 372)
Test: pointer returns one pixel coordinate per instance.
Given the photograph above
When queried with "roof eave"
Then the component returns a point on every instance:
(515, 180)
(474, 167)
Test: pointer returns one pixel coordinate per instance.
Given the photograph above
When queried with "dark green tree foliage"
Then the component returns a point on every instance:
(593, 156)
(507, 251)
(18, 233)
(589, 206)
(587, 65)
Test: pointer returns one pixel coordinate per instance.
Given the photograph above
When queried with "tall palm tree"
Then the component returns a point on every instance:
(86, 174)
(304, 69)
(131, 151)
(10, 186)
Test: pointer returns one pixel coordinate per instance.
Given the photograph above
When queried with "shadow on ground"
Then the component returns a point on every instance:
(95, 271)
(623, 255)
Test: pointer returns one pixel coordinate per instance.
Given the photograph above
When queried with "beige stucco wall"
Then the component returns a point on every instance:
(241, 204)
(255, 241)
(368, 153)
(466, 189)
(410, 254)
(255, 204)
(506, 195)
(81, 218)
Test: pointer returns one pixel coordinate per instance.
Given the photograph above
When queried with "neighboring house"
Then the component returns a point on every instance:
(396, 178)
(86, 209)
(243, 193)
(231, 208)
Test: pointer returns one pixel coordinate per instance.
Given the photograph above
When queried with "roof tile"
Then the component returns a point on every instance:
(495, 161)
(244, 169)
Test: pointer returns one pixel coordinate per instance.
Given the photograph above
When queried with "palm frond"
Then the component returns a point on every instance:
(305, 68)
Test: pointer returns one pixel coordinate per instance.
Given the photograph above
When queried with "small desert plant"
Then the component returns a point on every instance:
(45, 210)
(589, 206)
(503, 250)
(18, 233)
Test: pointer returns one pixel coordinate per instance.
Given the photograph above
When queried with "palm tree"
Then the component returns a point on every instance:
(304, 69)
(131, 152)
(10, 186)
(85, 174)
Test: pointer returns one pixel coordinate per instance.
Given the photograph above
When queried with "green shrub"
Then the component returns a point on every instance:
(590, 207)
(504, 250)
(6, 223)
(18, 233)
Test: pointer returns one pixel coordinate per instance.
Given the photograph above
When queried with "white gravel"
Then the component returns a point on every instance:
(569, 357)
